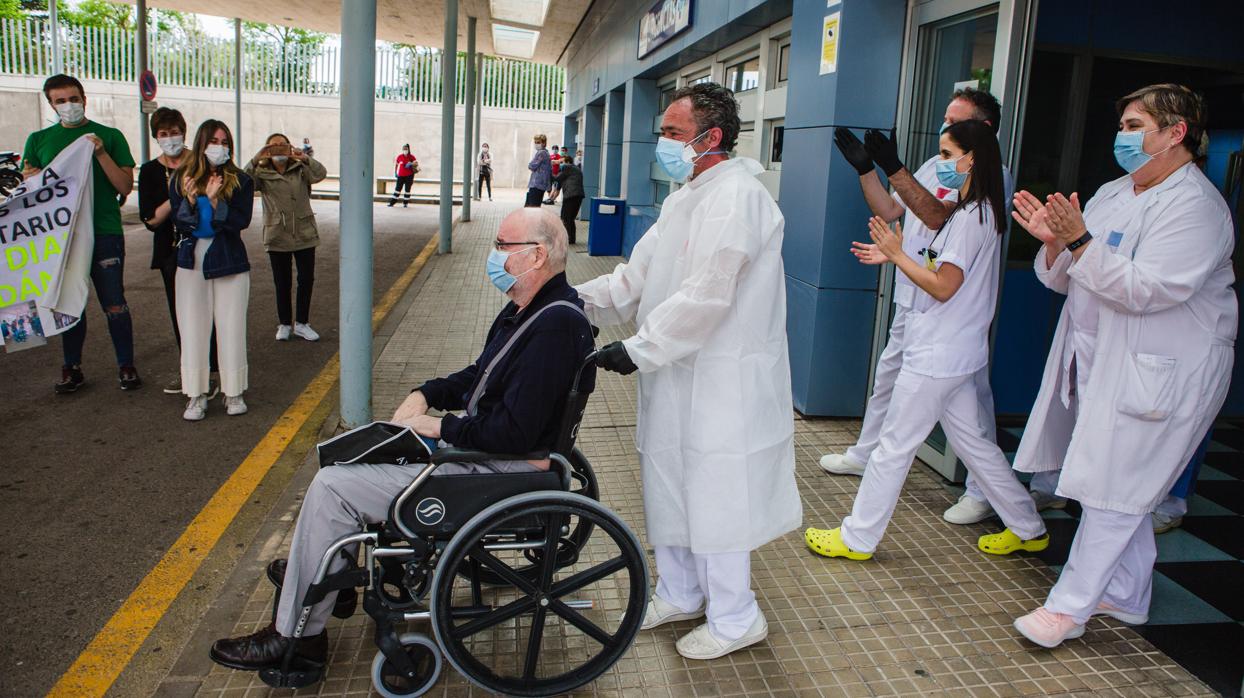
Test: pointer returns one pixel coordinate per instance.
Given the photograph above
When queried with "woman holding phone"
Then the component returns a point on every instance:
(283, 175)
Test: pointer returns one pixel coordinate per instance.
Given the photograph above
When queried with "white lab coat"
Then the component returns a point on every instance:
(715, 430)
(1164, 348)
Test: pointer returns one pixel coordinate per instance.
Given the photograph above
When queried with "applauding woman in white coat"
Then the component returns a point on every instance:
(1142, 356)
(947, 342)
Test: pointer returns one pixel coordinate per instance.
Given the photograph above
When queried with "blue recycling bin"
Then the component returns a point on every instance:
(606, 218)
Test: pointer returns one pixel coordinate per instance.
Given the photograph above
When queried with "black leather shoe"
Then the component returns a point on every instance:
(266, 649)
(347, 599)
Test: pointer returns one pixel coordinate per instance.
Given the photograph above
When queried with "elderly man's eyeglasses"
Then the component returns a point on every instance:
(500, 245)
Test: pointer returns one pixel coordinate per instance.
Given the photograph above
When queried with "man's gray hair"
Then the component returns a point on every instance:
(713, 106)
(547, 229)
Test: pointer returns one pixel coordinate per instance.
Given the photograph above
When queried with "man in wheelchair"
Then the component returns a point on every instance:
(513, 397)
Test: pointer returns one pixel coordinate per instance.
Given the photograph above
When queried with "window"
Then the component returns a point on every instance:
(667, 96)
(697, 79)
(745, 145)
(775, 144)
(783, 62)
(743, 76)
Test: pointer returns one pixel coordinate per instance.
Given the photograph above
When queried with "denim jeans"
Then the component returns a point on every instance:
(107, 275)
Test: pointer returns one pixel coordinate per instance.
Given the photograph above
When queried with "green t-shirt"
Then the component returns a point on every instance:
(42, 147)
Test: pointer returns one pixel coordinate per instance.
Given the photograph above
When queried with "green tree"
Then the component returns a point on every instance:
(279, 57)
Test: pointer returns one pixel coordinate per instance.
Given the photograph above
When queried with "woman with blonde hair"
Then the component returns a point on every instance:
(212, 202)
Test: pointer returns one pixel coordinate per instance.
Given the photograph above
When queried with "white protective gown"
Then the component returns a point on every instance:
(715, 430)
(1159, 270)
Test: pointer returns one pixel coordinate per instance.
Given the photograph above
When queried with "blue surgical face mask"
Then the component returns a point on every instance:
(947, 175)
(678, 159)
(942, 130)
(1129, 150)
(501, 278)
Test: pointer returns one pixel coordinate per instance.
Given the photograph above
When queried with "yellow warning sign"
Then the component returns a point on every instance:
(829, 42)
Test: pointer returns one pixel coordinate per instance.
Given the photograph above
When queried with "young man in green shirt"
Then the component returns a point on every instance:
(113, 170)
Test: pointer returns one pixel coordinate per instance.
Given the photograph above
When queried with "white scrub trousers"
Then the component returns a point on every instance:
(918, 403)
(722, 580)
(888, 367)
(1111, 560)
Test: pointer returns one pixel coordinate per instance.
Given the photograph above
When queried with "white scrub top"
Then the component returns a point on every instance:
(916, 235)
(950, 339)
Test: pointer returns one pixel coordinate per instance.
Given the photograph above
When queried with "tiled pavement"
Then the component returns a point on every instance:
(929, 615)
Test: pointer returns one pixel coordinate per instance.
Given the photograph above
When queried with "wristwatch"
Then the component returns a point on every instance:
(1080, 242)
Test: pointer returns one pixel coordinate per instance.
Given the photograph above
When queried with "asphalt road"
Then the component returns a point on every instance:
(95, 486)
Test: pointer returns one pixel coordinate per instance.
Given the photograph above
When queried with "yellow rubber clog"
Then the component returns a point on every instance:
(1007, 542)
(828, 542)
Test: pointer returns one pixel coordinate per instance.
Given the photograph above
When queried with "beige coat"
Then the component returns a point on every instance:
(288, 221)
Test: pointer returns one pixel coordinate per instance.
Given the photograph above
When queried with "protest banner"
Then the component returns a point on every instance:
(46, 240)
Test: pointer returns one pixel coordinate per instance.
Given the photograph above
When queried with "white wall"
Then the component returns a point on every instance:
(507, 131)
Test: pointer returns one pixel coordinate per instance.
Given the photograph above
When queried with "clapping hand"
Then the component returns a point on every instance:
(212, 190)
(1031, 215)
(888, 242)
(853, 150)
(1063, 217)
(883, 150)
(868, 253)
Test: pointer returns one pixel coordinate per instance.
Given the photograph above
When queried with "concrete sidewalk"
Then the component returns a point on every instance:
(929, 615)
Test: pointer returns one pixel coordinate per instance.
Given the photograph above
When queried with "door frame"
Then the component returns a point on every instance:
(1009, 81)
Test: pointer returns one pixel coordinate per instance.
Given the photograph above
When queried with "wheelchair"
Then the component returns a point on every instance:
(531, 586)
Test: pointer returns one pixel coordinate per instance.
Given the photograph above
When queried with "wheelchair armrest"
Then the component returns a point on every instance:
(466, 455)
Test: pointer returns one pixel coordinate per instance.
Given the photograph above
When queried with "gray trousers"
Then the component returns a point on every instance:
(341, 500)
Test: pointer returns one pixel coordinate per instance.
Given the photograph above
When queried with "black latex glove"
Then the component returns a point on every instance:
(883, 150)
(853, 150)
(613, 357)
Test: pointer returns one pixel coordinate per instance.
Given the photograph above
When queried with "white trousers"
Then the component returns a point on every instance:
(200, 304)
(722, 580)
(888, 367)
(917, 404)
(1111, 560)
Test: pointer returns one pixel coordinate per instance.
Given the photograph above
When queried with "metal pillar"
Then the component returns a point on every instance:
(468, 157)
(479, 99)
(358, 123)
(144, 141)
(449, 81)
(237, 92)
(58, 58)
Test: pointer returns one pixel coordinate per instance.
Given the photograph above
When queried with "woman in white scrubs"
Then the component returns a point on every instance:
(947, 341)
(1142, 357)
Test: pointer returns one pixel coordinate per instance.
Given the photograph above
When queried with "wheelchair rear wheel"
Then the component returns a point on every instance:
(555, 628)
(582, 481)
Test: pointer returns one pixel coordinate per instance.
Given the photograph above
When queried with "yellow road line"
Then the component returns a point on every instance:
(103, 660)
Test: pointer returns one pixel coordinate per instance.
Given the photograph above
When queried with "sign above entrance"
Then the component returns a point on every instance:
(665, 20)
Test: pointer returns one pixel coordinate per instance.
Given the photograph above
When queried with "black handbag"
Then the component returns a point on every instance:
(378, 443)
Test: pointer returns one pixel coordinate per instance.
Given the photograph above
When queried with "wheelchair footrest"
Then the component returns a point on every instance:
(294, 678)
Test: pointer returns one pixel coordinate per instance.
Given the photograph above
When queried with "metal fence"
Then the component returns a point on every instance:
(402, 73)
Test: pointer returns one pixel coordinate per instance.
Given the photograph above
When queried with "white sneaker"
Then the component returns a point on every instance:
(661, 612)
(282, 333)
(304, 330)
(234, 405)
(841, 464)
(1163, 523)
(1046, 500)
(968, 510)
(196, 409)
(702, 644)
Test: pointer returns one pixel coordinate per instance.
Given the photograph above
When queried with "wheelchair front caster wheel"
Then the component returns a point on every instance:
(423, 653)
